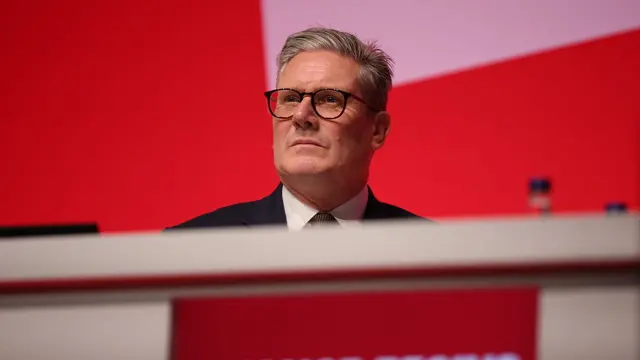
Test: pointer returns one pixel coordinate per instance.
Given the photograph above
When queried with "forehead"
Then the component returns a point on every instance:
(311, 70)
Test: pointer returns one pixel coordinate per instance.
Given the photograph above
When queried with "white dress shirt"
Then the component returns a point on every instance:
(348, 214)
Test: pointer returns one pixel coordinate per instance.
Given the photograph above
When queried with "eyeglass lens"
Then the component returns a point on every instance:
(328, 104)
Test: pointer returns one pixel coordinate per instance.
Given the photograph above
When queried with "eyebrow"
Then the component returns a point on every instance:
(318, 88)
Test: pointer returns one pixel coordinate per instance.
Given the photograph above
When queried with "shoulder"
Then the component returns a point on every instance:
(396, 212)
(265, 211)
(231, 215)
(381, 210)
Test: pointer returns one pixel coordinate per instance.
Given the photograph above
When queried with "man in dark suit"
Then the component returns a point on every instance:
(329, 117)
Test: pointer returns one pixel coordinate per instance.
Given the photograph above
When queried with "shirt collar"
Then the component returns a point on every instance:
(348, 214)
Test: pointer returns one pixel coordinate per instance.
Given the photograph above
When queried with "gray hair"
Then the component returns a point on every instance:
(376, 67)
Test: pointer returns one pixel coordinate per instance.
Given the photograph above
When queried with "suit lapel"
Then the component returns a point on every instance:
(374, 209)
(268, 210)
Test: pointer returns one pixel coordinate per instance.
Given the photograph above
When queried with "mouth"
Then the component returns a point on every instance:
(306, 142)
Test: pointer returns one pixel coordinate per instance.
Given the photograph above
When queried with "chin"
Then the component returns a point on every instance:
(304, 166)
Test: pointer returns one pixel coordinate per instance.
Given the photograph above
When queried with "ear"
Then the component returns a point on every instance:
(381, 125)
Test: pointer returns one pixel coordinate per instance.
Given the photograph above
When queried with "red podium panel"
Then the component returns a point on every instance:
(496, 324)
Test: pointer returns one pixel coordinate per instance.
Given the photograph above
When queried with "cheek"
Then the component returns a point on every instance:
(356, 136)
(349, 144)
(279, 134)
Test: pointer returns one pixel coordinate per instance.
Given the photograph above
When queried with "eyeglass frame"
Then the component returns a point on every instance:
(346, 95)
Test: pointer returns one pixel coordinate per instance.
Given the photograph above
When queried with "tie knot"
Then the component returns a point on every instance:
(322, 218)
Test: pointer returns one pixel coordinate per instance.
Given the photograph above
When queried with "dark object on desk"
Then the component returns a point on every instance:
(616, 207)
(47, 230)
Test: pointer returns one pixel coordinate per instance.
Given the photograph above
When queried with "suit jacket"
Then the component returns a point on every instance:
(270, 211)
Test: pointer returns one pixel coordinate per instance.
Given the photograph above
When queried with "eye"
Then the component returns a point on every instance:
(287, 97)
(329, 97)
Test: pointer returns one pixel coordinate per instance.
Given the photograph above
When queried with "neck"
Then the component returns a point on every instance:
(323, 195)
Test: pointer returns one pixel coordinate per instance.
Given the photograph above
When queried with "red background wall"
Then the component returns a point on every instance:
(139, 115)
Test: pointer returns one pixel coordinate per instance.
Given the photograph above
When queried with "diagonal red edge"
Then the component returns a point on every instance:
(203, 279)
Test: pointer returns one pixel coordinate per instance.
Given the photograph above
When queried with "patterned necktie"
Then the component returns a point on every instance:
(321, 219)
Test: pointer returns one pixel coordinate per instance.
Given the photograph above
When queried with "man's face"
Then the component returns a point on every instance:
(338, 147)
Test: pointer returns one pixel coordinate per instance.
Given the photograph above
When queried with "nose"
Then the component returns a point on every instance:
(304, 117)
